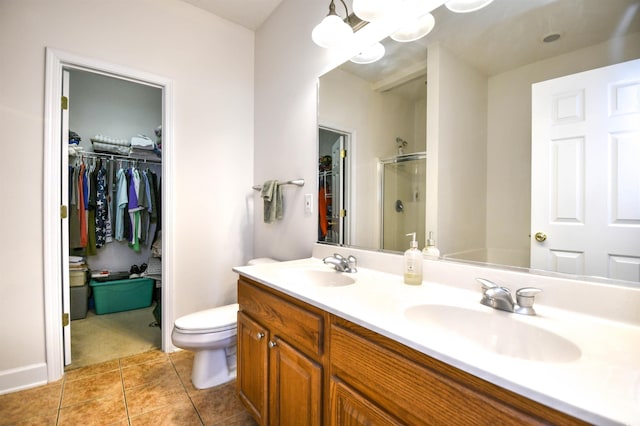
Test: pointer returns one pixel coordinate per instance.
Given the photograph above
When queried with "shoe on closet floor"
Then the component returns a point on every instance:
(134, 272)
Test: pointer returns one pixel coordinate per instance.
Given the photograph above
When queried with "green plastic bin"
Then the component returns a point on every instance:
(122, 295)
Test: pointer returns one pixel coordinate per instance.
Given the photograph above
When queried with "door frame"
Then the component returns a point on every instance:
(56, 60)
(349, 183)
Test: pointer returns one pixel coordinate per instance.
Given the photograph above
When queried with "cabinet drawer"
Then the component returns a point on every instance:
(298, 324)
(421, 390)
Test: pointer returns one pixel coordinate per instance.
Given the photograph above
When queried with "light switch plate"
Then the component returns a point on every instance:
(308, 203)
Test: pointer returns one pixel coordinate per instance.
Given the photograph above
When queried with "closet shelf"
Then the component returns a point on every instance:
(117, 157)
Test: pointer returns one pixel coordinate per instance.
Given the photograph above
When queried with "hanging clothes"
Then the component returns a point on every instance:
(98, 217)
(109, 200)
(74, 217)
(82, 211)
(122, 200)
(134, 208)
(101, 206)
(91, 217)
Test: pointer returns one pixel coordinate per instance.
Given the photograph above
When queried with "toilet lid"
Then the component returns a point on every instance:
(210, 320)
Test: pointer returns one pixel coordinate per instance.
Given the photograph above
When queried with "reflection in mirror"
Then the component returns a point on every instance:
(332, 148)
(476, 127)
(383, 125)
(403, 198)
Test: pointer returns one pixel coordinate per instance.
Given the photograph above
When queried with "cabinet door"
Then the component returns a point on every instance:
(253, 367)
(295, 386)
(349, 408)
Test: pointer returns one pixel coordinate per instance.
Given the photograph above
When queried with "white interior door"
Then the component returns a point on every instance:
(586, 173)
(64, 219)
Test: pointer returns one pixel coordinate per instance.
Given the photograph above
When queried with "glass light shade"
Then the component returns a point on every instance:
(370, 54)
(368, 10)
(466, 6)
(331, 32)
(415, 29)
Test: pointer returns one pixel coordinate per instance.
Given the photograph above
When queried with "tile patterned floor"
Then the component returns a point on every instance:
(152, 388)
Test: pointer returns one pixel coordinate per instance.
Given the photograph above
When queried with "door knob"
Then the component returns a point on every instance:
(540, 236)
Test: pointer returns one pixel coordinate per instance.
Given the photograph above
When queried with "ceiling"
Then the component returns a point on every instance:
(508, 34)
(504, 35)
(247, 13)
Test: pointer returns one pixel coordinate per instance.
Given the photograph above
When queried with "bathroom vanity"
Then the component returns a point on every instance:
(316, 346)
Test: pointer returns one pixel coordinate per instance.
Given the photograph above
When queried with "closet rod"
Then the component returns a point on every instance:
(117, 157)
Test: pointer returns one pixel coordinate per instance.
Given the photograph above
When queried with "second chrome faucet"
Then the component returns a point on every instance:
(498, 297)
(341, 263)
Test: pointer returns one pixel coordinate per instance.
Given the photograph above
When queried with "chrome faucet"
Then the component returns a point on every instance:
(497, 297)
(341, 263)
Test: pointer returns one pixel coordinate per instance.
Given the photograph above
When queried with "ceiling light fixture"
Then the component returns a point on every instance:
(332, 31)
(466, 6)
(369, 10)
(416, 29)
(371, 54)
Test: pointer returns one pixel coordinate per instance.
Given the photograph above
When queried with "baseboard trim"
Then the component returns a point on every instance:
(21, 378)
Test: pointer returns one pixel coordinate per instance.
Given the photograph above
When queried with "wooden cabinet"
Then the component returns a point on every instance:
(349, 408)
(280, 357)
(299, 365)
(385, 380)
(252, 367)
(295, 386)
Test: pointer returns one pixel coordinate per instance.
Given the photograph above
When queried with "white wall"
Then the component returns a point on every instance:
(287, 65)
(211, 63)
(456, 152)
(112, 107)
(509, 136)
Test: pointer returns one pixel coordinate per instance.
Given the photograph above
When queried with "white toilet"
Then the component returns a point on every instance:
(212, 335)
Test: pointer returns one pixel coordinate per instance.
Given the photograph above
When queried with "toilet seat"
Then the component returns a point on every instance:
(212, 320)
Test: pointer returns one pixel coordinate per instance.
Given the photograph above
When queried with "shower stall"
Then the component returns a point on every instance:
(403, 182)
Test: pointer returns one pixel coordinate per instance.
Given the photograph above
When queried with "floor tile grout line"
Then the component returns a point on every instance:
(186, 391)
(64, 381)
(124, 392)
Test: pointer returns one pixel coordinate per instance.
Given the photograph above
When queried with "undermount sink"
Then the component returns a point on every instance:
(319, 277)
(496, 331)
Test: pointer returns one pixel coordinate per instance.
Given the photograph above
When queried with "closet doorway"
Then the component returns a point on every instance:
(56, 193)
(114, 151)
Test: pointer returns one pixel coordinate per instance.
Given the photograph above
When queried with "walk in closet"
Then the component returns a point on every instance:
(113, 179)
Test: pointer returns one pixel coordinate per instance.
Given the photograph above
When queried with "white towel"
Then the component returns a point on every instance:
(142, 142)
(272, 197)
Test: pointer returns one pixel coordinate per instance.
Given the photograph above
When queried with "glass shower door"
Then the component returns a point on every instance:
(403, 188)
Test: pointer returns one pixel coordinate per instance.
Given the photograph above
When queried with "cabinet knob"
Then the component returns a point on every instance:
(272, 344)
(259, 335)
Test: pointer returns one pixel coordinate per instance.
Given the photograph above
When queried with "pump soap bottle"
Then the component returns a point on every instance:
(431, 251)
(413, 263)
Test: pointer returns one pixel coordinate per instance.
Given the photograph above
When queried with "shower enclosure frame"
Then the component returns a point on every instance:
(397, 159)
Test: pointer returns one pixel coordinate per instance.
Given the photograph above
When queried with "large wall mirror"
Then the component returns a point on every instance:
(467, 95)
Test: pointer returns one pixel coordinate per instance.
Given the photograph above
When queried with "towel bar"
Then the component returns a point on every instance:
(296, 182)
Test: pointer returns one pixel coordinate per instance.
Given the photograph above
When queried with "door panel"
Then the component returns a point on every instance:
(295, 387)
(585, 174)
(252, 366)
(64, 222)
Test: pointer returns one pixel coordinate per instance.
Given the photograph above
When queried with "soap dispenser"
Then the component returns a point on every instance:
(431, 251)
(413, 263)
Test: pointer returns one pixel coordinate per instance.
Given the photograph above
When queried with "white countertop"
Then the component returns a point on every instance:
(599, 384)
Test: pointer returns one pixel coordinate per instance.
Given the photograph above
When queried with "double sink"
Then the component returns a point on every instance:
(488, 329)
(564, 357)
